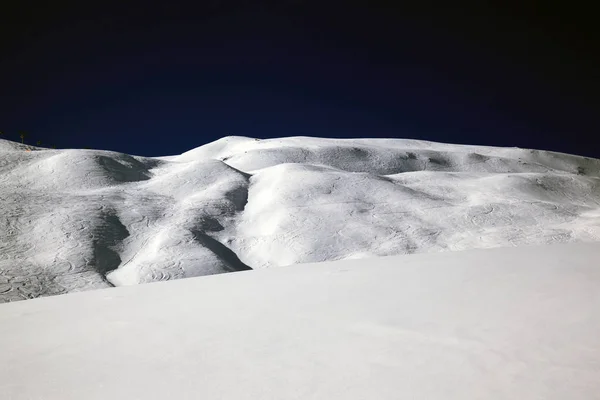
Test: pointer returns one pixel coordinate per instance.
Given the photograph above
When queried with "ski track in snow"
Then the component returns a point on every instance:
(73, 220)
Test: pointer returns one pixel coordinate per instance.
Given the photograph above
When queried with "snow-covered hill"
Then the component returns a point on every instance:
(74, 220)
(513, 323)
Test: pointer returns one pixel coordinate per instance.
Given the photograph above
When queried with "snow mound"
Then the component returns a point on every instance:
(512, 323)
(81, 219)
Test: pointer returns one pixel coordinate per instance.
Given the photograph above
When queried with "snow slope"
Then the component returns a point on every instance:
(515, 323)
(73, 220)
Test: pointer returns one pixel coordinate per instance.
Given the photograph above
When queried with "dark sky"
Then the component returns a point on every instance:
(160, 80)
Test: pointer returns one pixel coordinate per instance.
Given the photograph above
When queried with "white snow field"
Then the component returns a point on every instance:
(512, 323)
(73, 220)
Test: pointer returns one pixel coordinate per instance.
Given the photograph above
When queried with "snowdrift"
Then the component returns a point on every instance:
(510, 323)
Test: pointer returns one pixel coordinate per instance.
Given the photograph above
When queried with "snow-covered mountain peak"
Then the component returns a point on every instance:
(81, 219)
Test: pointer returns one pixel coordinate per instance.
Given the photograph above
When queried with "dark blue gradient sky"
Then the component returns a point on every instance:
(162, 80)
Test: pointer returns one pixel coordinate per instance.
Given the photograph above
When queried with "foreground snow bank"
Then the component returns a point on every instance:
(515, 323)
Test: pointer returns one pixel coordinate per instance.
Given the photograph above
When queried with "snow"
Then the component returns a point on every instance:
(506, 323)
(73, 220)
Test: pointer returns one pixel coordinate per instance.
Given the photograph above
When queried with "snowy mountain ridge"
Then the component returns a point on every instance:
(81, 219)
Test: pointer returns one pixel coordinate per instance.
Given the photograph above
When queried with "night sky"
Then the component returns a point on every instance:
(163, 80)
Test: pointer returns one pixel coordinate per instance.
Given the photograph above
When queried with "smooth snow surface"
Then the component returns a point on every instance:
(516, 323)
(73, 220)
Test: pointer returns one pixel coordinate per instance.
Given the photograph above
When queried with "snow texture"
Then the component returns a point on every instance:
(511, 323)
(73, 220)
